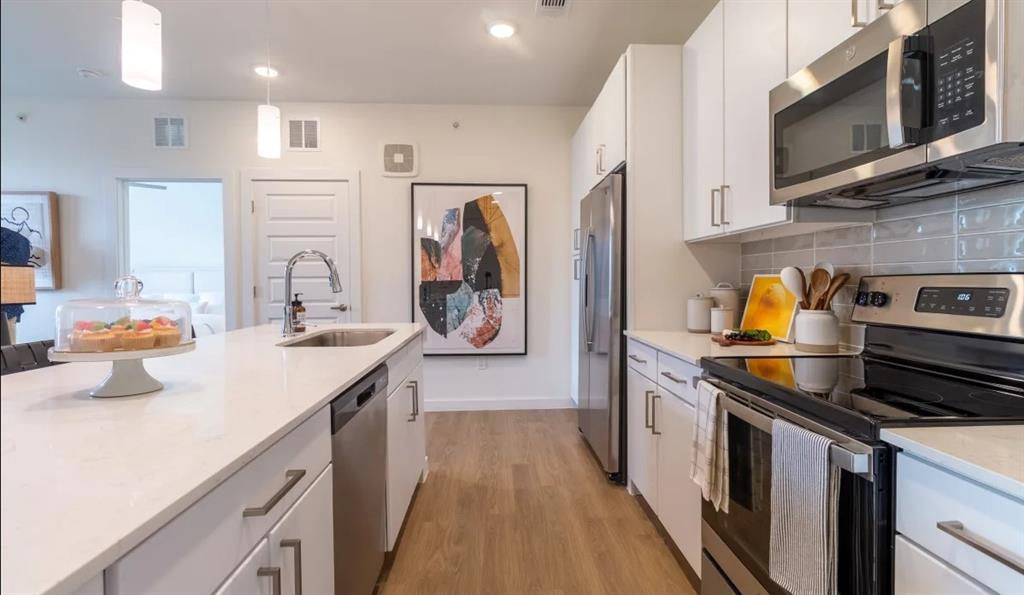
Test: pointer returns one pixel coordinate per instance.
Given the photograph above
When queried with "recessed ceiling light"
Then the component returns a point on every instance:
(265, 71)
(502, 30)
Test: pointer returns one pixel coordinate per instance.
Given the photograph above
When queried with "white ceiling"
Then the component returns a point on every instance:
(392, 51)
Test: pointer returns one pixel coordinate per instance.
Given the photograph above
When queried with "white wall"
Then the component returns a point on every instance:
(76, 148)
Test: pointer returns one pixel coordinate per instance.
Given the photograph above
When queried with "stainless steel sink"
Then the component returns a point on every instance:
(341, 338)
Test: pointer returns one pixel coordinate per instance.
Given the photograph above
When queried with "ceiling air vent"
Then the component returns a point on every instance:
(400, 160)
(553, 8)
(304, 134)
(169, 132)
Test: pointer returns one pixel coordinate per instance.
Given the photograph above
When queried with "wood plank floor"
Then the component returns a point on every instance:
(515, 503)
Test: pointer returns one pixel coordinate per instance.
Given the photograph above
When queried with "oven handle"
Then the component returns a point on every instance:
(847, 454)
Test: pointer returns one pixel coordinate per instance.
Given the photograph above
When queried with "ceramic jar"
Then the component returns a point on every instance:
(817, 331)
(726, 295)
(722, 317)
(698, 314)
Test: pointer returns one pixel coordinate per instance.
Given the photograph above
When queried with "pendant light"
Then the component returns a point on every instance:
(268, 117)
(141, 49)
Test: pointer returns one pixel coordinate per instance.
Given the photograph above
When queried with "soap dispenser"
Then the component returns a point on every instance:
(298, 315)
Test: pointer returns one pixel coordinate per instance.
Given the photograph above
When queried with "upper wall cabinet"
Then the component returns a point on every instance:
(599, 144)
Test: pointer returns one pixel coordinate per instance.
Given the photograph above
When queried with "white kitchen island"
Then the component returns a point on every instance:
(84, 480)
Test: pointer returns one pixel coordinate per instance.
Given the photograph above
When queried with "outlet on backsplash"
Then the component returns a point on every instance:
(976, 232)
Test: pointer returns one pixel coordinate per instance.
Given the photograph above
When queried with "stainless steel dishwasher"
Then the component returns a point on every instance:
(359, 424)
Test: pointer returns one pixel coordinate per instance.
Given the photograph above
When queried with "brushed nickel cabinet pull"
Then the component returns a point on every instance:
(275, 578)
(654, 415)
(854, 20)
(992, 550)
(296, 545)
(721, 203)
(882, 5)
(415, 386)
(637, 359)
(674, 378)
(713, 191)
(294, 476)
(647, 408)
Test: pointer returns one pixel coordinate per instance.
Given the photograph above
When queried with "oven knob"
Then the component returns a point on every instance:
(878, 299)
(862, 298)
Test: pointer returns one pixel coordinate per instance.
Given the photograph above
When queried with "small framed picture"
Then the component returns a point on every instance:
(34, 216)
(770, 307)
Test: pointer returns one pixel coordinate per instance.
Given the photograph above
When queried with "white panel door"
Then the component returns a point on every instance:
(679, 497)
(642, 446)
(406, 450)
(302, 543)
(290, 216)
(702, 127)
(246, 578)
(755, 61)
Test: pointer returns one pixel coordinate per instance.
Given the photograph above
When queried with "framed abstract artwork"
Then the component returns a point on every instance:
(469, 267)
(34, 216)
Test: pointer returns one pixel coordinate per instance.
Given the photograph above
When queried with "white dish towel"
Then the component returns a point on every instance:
(805, 494)
(709, 467)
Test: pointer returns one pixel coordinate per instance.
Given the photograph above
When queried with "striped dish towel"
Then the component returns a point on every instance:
(805, 494)
(709, 467)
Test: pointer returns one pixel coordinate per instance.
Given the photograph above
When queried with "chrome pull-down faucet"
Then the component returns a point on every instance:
(333, 277)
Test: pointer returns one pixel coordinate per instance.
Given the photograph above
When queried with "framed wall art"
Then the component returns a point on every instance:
(770, 307)
(34, 216)
(469, 267)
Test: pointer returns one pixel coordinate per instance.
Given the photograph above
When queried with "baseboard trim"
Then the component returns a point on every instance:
(499, 404)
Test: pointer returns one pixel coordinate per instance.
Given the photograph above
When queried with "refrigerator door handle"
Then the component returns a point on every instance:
(588, 306)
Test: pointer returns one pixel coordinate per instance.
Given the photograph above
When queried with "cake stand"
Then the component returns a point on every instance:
(127, 376)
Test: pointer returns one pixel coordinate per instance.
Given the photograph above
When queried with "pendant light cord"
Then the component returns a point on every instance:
(266, 27)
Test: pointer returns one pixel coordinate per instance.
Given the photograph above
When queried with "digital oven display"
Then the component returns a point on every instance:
(963, 301)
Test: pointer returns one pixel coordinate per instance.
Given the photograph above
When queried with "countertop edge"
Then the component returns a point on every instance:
(950, 462)
(637, 336)
(125, 544)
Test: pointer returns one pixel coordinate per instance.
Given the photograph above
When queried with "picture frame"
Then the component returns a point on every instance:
(771, 307)
(35, 216)
(469, 267)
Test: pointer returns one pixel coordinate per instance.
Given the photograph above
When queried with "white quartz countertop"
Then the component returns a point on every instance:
(990, 455)
(693, 346)
(85, 480)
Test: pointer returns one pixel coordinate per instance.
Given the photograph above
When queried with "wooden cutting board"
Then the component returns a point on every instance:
(730, 342)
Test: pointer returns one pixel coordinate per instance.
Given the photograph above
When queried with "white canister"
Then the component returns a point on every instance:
(722, 317)
(726, 295)
(817, 331)
(698, 314)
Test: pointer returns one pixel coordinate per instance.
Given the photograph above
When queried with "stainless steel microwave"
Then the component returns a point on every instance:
(913, 106)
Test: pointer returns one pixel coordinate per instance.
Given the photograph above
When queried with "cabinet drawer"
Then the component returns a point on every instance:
(196, 550)
(404, 362)
(676, 376)
(642, 358)
(920, 573)
(927, 496)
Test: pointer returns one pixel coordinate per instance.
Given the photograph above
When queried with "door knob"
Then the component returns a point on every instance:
(340, 307)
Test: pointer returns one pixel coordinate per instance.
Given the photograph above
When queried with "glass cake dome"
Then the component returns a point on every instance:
(124, 323)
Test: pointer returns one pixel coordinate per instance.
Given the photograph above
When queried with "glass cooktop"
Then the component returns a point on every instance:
(862, 394)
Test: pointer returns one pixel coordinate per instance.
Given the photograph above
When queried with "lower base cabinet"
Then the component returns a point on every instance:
(406, 450)
(678, 495)
(253, 576)
(920, 573)
(302, 543)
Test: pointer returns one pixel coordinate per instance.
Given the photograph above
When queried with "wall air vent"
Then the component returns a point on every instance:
(170, 132)
(553, 8)
(304, 134)
(401, 160)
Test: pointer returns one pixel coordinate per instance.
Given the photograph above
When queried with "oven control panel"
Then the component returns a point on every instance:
(975, 303)
(964, 301)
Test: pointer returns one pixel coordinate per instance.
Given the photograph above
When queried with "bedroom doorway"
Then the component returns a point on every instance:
(173, 240)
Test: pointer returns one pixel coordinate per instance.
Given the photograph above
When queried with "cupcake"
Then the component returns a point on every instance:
(119, 330)
(167, 333)
(92, 337)
(135, 339)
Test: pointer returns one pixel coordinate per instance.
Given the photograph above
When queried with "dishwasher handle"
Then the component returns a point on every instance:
(354, 399)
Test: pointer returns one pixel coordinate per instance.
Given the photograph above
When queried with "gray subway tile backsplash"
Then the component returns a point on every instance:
(977, 232)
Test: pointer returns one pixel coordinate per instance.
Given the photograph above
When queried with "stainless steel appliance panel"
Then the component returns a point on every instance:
(600, 355)
(359, 455)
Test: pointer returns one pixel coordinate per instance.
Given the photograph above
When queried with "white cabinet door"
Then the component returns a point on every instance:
(254, 576)
(406, 450)
(610, 126)
(755, 61)
(678, 496)
(642, 444)
(920, 573)
(302, 543)
(702, 127)
(817, 26)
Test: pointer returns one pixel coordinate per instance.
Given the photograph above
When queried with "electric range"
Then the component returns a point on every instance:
(938, 349)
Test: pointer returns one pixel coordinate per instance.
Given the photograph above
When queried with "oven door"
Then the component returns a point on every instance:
(854, 114)
(738, 541)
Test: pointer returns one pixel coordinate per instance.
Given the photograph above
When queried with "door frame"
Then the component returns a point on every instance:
(248, 178)
(117, 185)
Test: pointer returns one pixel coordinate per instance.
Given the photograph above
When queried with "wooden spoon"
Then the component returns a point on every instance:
(833, 287)
(820, 280)
(793, 281)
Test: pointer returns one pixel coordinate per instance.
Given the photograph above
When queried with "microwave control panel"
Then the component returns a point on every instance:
(958, 67)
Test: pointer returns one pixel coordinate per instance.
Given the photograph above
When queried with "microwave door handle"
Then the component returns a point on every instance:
(905, 90)
(893, 93)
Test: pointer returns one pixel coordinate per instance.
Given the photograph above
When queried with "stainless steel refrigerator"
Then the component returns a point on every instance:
(602, 316)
